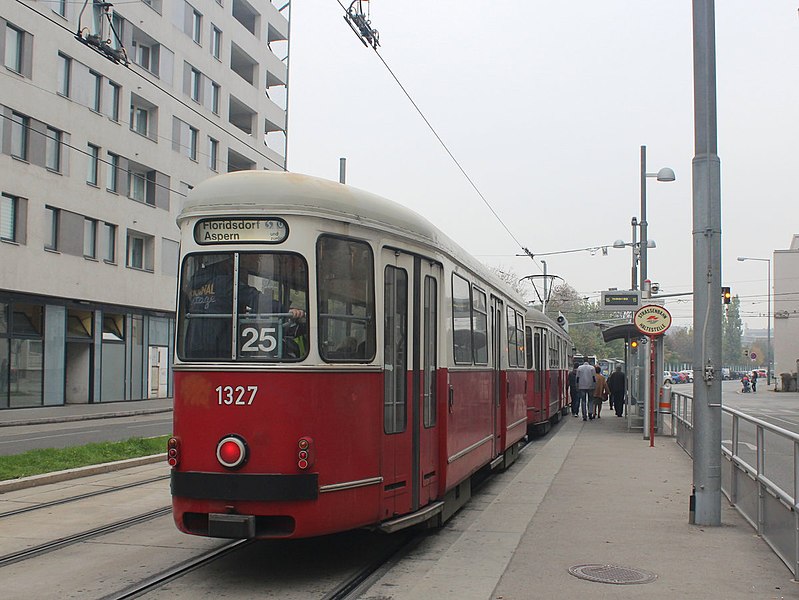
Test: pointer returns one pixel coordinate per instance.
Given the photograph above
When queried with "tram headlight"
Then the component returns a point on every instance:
(231, 451)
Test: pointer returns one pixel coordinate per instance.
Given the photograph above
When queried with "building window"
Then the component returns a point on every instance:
(216, 42)
(195, 85)
(51, 235)
(98, 91)
(196, 26)
(109, 242)
(138, 186)
(117, 33)
(8, 217)
(138, 120)
(116, 92)
(215, 91)
(14, 48)
(20, 125)
(140, 250)
(52, 152)
(93, 175)
(89, 238)
(113, 173)
(213, 153)
(194, 134)
(60, 7)
(64, 74)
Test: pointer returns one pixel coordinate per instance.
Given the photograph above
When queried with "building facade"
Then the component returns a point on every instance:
(96, 157)
(786, 310)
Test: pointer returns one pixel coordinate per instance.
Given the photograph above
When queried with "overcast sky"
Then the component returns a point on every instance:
(546, 105)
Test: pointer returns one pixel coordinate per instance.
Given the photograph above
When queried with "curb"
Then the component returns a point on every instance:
(70, 418)
(45, 478)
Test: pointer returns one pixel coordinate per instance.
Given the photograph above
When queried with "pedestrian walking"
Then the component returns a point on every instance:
(574, 391)
(586, 380)
(599, 394)
(754, 381)
(617, 384)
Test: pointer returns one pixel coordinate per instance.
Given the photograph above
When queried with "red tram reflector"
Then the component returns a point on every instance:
(173, 454)
(302, 464)
(231, 452)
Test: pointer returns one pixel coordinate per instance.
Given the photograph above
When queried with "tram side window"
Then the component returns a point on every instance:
(513, 358)
(345, 275)
(461, 320)
(528, 338)
(430, 350)
(479, 327)
(395, 351)
(520, 339)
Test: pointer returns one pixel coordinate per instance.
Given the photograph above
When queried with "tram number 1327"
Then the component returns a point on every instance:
(237, 396)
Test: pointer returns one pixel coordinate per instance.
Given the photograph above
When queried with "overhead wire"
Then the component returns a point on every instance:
(446, 148)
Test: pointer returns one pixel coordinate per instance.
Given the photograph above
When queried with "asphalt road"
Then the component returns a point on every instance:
(14, 440)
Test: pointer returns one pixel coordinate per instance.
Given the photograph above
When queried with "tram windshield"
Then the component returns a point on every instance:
(267, 309)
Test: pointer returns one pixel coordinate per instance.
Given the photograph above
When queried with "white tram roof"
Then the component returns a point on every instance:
(275, 192)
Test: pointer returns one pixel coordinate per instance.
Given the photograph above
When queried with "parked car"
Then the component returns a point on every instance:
(689, 375)
(677, 377)
(761, 373)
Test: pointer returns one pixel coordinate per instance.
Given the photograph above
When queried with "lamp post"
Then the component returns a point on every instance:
(636, 247)
(768, 314)
(664, 174)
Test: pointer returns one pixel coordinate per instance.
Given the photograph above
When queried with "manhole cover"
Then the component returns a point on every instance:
(612, 574)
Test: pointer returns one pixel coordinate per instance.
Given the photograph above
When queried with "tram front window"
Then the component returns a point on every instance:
(269, 312)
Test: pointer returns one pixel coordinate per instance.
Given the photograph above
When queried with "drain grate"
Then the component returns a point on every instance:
(612, 574)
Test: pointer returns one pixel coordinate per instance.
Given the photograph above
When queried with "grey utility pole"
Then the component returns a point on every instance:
(707, 272)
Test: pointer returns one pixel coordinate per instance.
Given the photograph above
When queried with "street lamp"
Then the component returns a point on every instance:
(768, 314)
(665, 174)
(636, 247)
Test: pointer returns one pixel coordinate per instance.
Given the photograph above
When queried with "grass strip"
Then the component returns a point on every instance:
(48, 460)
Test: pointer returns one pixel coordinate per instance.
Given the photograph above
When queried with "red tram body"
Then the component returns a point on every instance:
(340, 363)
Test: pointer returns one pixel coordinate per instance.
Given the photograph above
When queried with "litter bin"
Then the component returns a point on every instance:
(664, 404)
(788, 382)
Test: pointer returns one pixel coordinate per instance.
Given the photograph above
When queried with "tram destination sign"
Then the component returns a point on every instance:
(621, 300)
(652, 320)
(250, 230)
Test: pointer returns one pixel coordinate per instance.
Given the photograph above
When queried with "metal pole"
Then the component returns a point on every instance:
(643, 224)
(707, 270)
(768, 326)
(544, 300)
(652, 391)
(635, 254)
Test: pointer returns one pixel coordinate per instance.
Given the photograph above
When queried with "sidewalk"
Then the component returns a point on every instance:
(591, 494)
(81, 412)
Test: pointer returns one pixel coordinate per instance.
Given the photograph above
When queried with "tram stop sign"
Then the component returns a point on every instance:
(652, 320)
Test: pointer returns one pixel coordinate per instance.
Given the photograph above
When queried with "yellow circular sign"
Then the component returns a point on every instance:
(652, 320)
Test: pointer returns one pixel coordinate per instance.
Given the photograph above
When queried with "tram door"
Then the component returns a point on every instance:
(496, 361)
(411, 296)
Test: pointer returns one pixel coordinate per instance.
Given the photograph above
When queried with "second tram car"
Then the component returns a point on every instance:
(340, 363)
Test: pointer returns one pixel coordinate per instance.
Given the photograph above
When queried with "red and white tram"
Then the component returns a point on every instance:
(548, 358)
(340, 363)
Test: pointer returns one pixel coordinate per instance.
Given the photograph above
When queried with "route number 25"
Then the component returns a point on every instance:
(238, 396)
(252, 336)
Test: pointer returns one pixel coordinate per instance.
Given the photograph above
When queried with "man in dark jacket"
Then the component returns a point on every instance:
(574, 391)
(617, 384)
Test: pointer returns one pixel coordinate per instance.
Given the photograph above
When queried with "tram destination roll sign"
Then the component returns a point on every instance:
(652, 320)
(248, 230)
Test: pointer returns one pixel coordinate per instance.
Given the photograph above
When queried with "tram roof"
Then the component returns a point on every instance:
(260, 192)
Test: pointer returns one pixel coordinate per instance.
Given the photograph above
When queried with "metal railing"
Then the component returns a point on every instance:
(762, 465)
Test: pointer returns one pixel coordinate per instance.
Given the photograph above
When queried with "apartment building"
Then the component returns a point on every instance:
(786, 310)
(96, 157)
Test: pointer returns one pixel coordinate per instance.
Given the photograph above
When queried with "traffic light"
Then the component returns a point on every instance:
(726, 296)
(634, 345)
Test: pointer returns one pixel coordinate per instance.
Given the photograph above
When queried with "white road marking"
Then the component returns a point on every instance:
(752, 447)
(44, 437)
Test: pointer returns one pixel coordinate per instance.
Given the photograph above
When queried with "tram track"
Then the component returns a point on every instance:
(61, 501)
(69, 540)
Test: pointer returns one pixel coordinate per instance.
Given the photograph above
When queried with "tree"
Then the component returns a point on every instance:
(585, 319)
(678, 344)
(731, 332)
